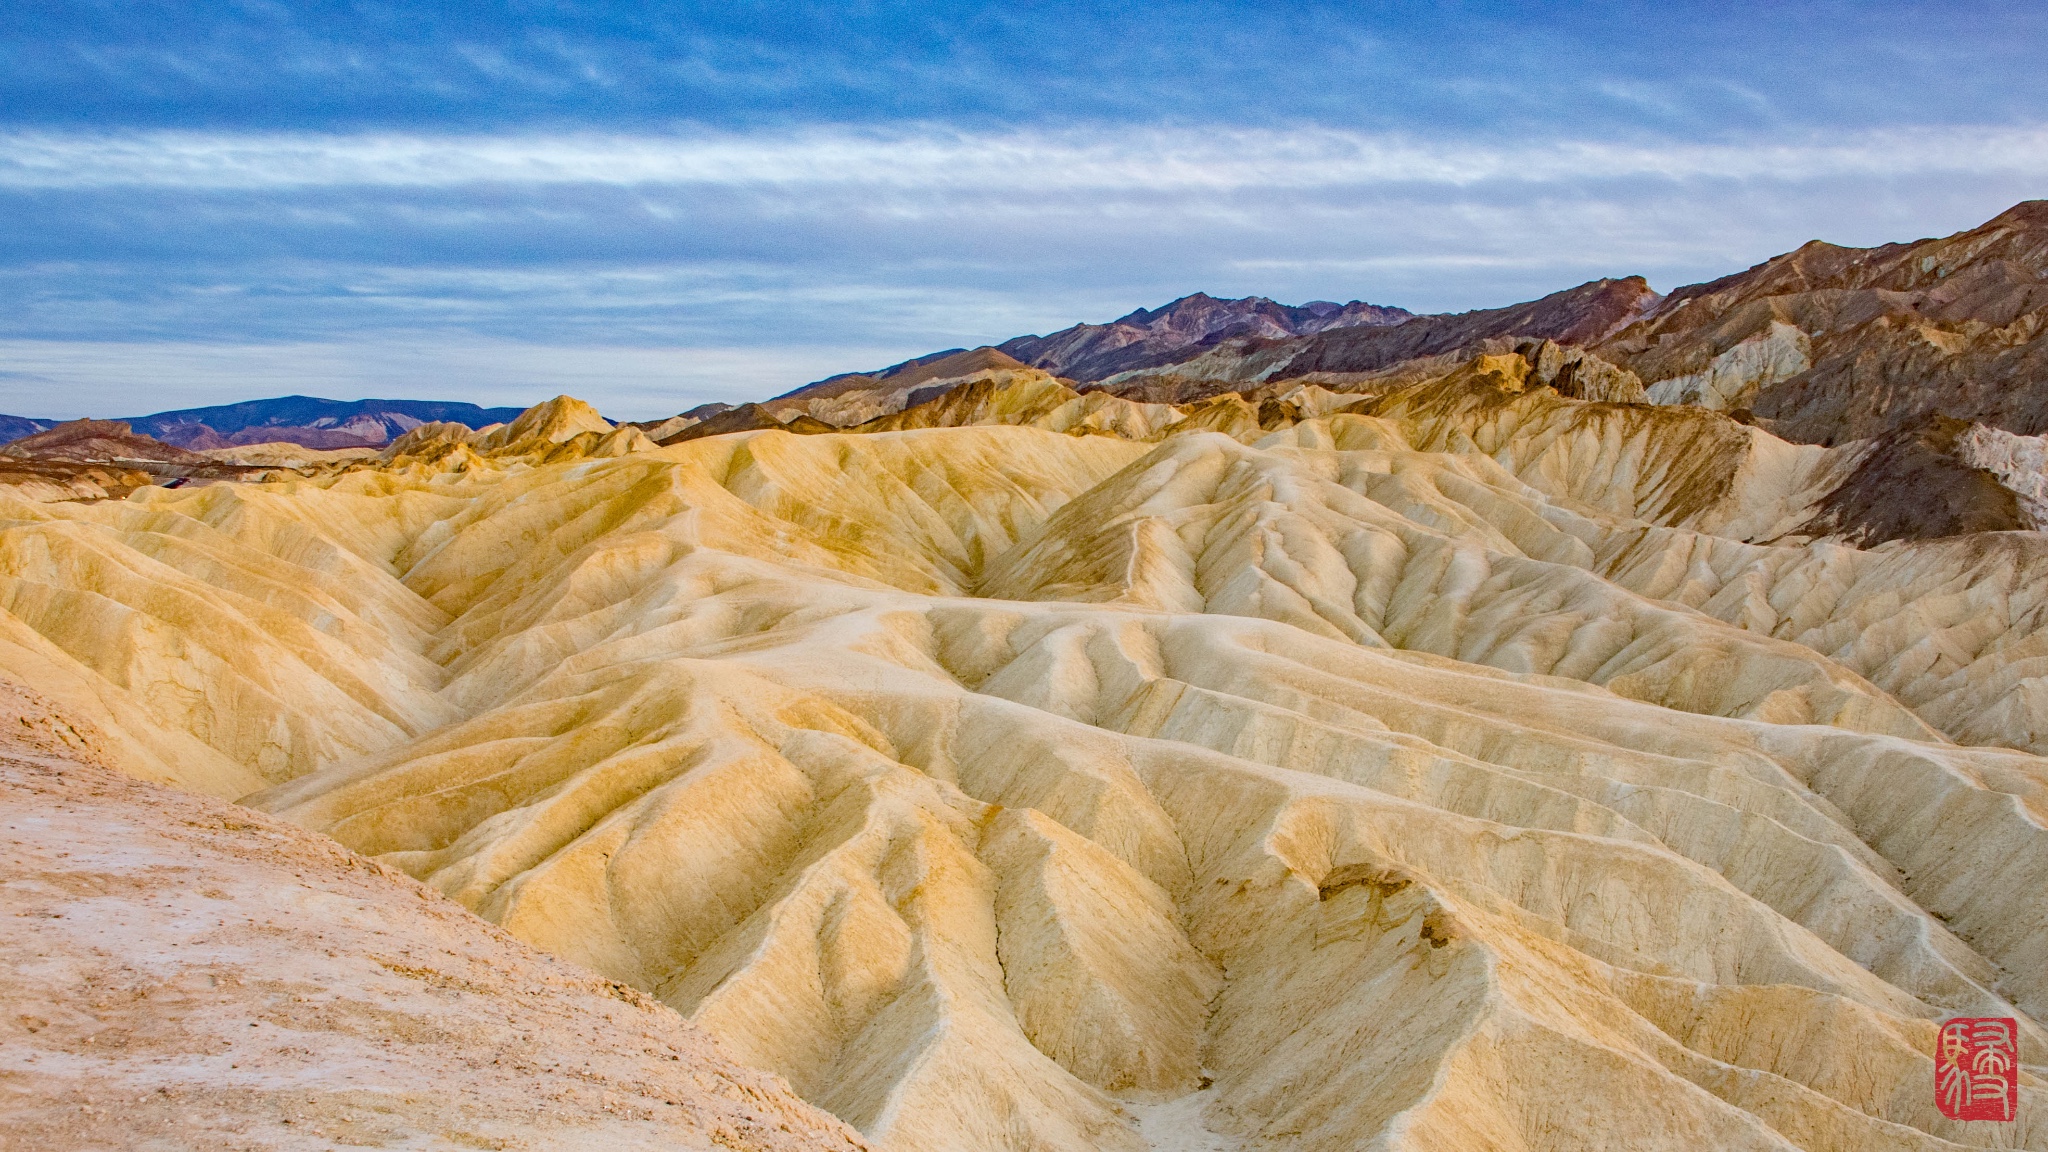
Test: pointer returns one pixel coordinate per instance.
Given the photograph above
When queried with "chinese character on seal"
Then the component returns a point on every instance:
(1977, 1068)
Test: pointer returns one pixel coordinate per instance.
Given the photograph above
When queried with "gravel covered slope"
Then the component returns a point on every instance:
(179, 972)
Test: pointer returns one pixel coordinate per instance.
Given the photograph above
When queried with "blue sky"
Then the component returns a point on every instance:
(655, 205)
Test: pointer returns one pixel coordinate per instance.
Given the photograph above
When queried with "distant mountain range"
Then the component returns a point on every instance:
(1148, 338)
(1200, 346)
(306, 420)
(1822, 345)
(15, 427)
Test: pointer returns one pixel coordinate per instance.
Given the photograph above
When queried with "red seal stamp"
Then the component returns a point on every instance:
(1977, 1068)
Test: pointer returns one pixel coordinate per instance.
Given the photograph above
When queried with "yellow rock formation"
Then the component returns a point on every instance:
(285, 454)
(183, 973)
(1489, 772)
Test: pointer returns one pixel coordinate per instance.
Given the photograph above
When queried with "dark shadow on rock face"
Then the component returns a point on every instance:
(1911, 486)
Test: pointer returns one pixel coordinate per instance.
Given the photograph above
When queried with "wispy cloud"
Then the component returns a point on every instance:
(1118, 158)
(671, 202)
(780, 253)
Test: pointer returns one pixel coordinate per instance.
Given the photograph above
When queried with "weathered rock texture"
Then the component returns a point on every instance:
(1476, 768)
(95, 459)
(179, 972)
(1832, 344)
(1150, 337)
(96, 440)
(1140, 343)
(1390, 351)
(285, 454)
(844, 401)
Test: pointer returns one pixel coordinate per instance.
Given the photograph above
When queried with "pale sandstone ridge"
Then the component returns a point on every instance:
(2019, 462)
(184, 973)
(285, 454)
(1473, 766)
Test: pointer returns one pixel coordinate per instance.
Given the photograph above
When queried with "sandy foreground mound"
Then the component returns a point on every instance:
(182, 973)
(1464, 777)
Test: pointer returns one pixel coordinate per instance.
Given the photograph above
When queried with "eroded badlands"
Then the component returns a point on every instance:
(1488, 769)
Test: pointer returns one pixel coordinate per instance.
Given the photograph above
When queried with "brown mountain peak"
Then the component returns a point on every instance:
(958, 364)
(2025, 214)
(92, 440)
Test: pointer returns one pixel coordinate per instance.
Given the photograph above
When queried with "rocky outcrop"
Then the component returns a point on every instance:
(1734, 377)
(1827, 344)
(2020, 464)
(96, 441)
(1580, 375)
